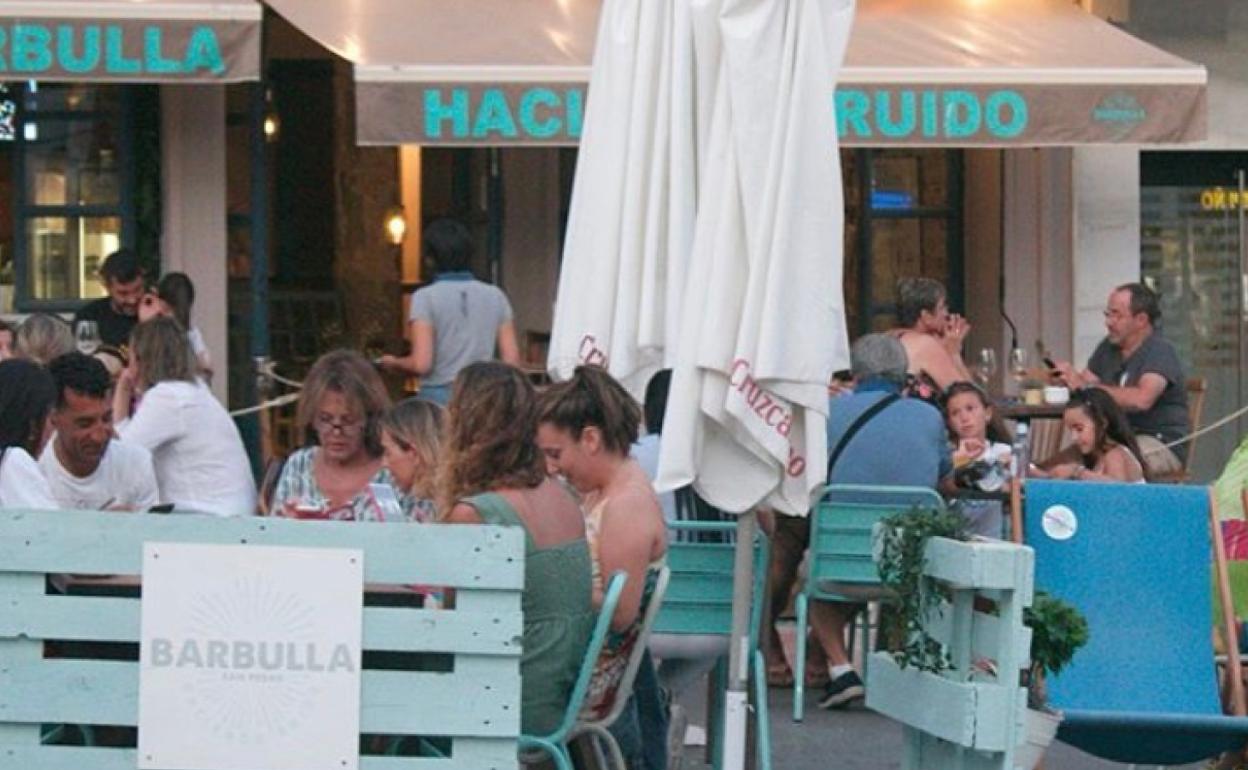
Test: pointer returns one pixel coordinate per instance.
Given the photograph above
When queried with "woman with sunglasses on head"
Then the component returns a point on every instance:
(340, 474)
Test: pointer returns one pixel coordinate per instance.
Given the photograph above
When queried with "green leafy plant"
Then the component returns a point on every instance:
(1058, 630)
(902, 540)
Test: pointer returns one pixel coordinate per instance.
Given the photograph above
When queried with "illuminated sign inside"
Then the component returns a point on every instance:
(1222, 199)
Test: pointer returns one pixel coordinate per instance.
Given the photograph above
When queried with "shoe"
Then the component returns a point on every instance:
(840, 691)
(678, 722)
(779, 676)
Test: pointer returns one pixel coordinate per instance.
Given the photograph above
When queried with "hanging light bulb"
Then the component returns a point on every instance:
(272, 121)
(395, 225)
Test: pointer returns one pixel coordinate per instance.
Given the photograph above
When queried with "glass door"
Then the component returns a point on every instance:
(1192, 242)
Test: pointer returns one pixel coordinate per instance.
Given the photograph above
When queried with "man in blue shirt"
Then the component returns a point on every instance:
(904, 443)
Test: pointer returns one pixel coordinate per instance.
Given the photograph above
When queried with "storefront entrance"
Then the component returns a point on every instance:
(1192, 251)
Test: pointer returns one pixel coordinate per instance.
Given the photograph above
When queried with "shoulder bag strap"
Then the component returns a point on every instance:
(856, 426)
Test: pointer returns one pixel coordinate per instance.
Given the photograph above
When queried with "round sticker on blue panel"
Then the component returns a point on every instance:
(1059, 522)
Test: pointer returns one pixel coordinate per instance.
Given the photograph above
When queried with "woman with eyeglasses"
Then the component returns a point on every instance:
(201, 464)
(340, 474)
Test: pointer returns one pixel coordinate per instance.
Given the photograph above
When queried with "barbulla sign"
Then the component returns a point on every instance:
(250, 657)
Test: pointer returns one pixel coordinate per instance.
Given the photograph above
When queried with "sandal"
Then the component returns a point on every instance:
(779, 675)
(817, 680)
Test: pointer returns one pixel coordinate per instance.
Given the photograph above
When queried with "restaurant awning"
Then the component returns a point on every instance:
(130, 41)
(918, 72)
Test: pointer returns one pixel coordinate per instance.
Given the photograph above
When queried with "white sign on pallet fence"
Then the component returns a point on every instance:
(250, 657)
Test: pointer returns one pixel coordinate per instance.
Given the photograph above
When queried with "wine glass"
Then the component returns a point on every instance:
(987, 365)
(87, 337)
(1018, 364)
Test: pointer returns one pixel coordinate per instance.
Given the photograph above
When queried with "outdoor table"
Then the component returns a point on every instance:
(1015, 410)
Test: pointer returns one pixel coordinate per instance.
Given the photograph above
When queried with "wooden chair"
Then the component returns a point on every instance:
(1197, 389)
(474, 705)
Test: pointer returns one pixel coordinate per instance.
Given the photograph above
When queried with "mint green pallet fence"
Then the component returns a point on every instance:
(474, 707)
(969, 717)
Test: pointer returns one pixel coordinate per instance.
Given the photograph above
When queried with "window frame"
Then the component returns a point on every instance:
(24, 212)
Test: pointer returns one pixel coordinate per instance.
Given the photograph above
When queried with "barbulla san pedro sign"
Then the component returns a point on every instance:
(85, 49)
(130, 50)
(249, 657)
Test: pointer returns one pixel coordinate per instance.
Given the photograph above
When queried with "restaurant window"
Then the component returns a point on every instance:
(903, 217)
(72, 188)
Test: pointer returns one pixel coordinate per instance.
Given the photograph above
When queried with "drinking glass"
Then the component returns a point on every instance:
(1018, 364)
(987, 365)
(87, 337)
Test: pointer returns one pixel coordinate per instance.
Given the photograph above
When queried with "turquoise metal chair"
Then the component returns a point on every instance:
(699, 603)
(556, 744)
(841, 566)
(1135, 560)
(600, 728)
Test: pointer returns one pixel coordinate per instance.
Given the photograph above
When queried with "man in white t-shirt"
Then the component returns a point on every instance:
(86, 467)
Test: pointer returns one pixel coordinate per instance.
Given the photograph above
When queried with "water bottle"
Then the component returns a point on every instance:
(1020, 453)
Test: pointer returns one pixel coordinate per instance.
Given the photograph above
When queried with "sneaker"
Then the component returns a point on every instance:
(840, 691)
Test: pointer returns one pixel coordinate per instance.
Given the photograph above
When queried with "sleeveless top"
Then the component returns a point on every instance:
(619, 645)
(558, 618)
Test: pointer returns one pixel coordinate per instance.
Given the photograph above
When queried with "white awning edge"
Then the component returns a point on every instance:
(1195, 75)
(172, 10)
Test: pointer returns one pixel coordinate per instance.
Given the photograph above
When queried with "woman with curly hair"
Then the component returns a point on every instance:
(491, 472)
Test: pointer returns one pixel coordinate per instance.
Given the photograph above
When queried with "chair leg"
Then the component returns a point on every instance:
(799, 659)
(761, 712)
(556, 752)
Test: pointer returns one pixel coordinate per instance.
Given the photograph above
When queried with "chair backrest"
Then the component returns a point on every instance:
(1135, 560)
(841, 539)
(1197, 389)
(624, 690)
(476, 701)
(602, 626)
(699, 593)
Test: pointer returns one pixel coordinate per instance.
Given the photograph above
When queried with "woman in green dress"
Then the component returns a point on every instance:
(492, 472)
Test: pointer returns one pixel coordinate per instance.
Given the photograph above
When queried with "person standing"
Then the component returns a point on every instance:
(1141, 371)
(117, 314)
(455, 321)
(86, 467)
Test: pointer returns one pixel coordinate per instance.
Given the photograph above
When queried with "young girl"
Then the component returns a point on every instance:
(981, 456)
(1106, 446)
(411, 434)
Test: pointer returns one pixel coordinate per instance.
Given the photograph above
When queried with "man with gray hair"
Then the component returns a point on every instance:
(875, 437)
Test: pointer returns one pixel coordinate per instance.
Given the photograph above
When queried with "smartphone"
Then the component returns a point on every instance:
(1049, 363)
(161, 508)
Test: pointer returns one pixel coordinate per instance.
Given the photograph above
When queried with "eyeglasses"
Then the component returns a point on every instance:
(324, 424)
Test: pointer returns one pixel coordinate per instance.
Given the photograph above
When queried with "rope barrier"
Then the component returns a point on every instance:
(1198, 433)
(272, 403)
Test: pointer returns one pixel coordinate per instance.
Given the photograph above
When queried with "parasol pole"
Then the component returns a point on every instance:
(736, 700)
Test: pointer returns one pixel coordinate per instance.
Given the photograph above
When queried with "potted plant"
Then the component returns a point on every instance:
(900, 542)
(1058, 630)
